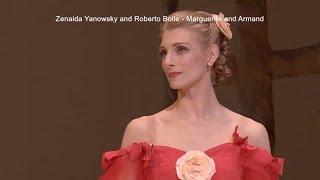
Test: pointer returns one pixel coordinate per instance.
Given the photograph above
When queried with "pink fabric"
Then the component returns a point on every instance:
(236, 160)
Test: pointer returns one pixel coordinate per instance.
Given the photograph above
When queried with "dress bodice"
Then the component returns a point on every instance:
(235, 160)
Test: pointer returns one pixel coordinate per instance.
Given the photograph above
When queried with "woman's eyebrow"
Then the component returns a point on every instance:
(180, 43)
(161, 47)
(175, 44)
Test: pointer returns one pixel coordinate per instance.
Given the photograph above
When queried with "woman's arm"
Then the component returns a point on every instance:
(119, 164)
(136, 131)
(257, 134)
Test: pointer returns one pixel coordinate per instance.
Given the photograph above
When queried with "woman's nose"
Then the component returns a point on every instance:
(168, 59)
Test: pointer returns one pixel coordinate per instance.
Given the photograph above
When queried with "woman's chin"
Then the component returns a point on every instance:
(175, 85)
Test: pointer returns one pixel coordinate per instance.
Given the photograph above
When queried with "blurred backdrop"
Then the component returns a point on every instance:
(68, 90)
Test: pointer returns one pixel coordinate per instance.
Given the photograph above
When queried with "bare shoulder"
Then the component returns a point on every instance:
(136, 131)
(256, 132)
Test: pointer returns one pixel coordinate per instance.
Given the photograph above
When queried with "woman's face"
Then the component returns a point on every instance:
(181, 52)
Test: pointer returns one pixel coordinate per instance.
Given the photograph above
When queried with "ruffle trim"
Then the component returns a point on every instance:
(252, 157)
(255, 158)
(142, 150)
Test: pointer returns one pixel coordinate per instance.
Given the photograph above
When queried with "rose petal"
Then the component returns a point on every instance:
(195, 165)
(222, 25)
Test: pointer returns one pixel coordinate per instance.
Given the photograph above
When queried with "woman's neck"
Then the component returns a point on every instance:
(197, 105)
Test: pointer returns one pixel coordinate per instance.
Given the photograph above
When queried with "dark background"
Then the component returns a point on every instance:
(69, 89)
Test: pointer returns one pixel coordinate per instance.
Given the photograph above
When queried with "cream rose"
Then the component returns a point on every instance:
(223, 25)
(195, 165)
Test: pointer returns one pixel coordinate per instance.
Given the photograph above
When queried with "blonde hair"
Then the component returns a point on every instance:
(208, 34)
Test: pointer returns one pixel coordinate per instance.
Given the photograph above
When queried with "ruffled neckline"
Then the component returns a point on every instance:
(183, 151)
(236, 140)
(144, 150)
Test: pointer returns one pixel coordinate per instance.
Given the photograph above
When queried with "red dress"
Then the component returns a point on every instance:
(236, 160)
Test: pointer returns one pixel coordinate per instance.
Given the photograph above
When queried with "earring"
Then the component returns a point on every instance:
(209, 65)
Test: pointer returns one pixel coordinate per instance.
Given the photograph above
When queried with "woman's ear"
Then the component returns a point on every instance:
(214, 53)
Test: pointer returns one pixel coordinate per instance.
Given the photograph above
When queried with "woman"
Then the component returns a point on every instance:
(195, 137)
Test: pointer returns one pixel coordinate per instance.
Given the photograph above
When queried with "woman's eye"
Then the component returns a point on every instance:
(162, 53)
(181, 48)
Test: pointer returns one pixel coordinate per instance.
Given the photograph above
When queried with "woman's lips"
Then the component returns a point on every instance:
(174, 74)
